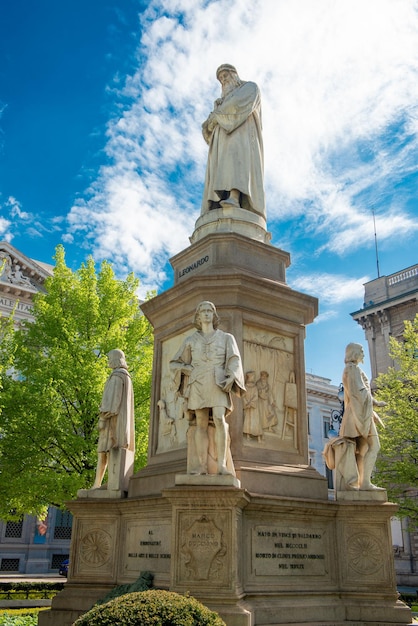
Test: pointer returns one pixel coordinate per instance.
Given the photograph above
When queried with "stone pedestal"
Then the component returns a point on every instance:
(266, 547)
(256, 559)
(246, 279)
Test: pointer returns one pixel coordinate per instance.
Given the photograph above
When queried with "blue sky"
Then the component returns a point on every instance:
(101, 105)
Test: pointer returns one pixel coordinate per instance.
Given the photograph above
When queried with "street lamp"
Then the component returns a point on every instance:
(337, 416)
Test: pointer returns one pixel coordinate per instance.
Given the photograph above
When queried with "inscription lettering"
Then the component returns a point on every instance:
(148, 545)
(304, 553)
(193, 266)
(20, 306)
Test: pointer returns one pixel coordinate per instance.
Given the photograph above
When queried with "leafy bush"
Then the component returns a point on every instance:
(13, 619)
(161, 608)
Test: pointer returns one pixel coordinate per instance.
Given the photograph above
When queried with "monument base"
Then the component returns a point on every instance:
(380, 495)
(219, 480)
(231, 220)
(100, 494)
(256, 559)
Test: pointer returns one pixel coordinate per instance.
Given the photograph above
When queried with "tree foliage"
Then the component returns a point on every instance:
(49, 411)
(397, 465)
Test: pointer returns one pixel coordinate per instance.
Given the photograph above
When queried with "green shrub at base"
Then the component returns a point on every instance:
(153, 607)
(12, 619)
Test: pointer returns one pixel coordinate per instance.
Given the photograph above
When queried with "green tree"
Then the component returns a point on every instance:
(49, 411)
(397, 465)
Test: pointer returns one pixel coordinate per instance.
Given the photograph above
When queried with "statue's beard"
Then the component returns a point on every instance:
(231, 84)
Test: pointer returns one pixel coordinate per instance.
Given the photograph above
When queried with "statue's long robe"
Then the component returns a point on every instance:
(118, 402)
(358, 420)
(235, 159)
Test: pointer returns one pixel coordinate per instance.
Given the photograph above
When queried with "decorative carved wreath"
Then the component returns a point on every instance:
(364, 553)
(95, 547)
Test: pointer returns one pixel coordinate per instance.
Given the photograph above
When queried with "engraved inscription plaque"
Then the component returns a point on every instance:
(284, 551)
(148, 547)
(203, 550)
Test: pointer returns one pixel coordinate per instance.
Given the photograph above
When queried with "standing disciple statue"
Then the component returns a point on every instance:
(359, 419)
(235, 168)
(354, 451)
(116, 443)
(208, 367)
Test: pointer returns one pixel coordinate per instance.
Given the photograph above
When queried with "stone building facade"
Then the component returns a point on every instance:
(33, 546)
(388, 302)
(323, 409)
(20, 279)
(28, 546)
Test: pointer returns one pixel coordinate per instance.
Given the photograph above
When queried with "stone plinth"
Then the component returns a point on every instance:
(223, 252)
(101, 494)
(231, 220)
(207, 480)
(355, 495)
(246, 280)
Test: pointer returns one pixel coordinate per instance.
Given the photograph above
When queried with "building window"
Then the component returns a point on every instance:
(326, 425)
(9, 565)
(330, 477)
(57, 559)
(14, 530)
(63, 525)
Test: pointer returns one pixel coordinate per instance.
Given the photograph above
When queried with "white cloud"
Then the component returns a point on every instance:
(15, 209)
(20, 222)
(326, 316)
(336, 79)
(4, 227)
(332, 288)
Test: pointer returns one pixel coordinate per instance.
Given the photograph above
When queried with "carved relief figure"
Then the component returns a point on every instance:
(172, 407)
(290, 409)
(234, 173)
(208, 366)
(355, 451)
(252, 423)
(12, 273)
(5, 267)
(266, 403)
(167, 424)
(116, 443)
(18, 278)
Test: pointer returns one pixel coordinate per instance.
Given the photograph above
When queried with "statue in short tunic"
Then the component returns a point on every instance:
(208, 369)
(233, 130)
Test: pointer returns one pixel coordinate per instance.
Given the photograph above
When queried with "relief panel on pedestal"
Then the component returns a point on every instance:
(368, 554)
(204, 548)
(271, 401)
(96, 548)
(172, 416)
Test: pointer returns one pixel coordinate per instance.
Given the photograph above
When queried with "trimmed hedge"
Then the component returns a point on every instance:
(153, 607)
(13, 590)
